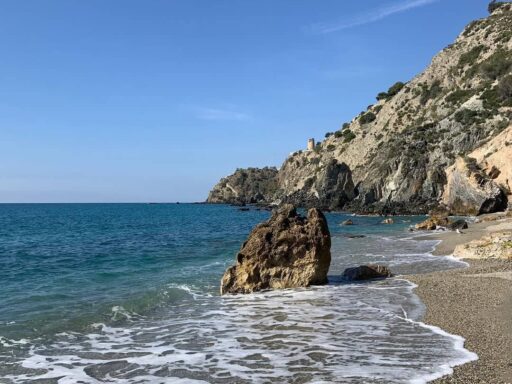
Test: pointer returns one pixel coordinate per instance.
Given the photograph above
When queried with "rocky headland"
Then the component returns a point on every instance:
(444, 138)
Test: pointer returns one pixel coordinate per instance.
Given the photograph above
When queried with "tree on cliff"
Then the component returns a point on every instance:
(494, 5)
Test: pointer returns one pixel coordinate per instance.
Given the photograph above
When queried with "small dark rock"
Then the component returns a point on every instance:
(354, 236)
(347, 222)
(458, 224)
(367, 272)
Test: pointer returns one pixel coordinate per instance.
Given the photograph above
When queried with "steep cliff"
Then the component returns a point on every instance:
(246, 186)
(394, 155)
(482, 181)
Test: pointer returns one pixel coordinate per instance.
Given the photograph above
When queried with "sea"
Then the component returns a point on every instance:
(129, 293)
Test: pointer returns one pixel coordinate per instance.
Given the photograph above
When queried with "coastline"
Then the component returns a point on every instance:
(473, 302)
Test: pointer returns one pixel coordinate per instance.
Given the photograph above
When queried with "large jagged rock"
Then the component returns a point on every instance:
(470, 191)
(287, 251)
(246, 186)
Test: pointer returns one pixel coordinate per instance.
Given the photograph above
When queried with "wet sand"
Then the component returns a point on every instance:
(476, 303)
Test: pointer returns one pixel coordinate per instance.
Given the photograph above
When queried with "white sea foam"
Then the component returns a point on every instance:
(340, 333)
(337, 333)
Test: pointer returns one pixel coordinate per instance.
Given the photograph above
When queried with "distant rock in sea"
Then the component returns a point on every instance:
(287, 251)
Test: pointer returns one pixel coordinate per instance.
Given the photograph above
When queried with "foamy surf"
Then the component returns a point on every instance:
(338, 333)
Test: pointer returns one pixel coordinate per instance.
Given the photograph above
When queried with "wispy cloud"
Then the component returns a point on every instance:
(220, 114)
(370, 16)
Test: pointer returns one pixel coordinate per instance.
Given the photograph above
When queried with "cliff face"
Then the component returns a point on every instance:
(481, 182)
(246, 186)
(394, 155)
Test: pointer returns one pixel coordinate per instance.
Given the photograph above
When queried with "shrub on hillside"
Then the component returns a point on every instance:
(392, 91)
(497, 65)
(430, 93)
(466, 116)
(505, 89)
(348, 136)
(494, 5)
(490, 99)
(459, 96)
(367, 118)
(471, 56)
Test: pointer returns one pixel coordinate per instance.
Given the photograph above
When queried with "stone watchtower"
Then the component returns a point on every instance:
(311, 144)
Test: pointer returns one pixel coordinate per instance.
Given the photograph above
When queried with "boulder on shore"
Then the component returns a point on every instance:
(458, 224)
(471, 191)
(433, 223)
(287, 251)
(367, 272)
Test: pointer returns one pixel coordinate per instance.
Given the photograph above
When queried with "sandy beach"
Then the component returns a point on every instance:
(474, 302)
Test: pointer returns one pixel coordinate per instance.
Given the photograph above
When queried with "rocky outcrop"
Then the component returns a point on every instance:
(436, 222)
(366, 272)
(246, 186)
(311, 181)
(470, 191)
(433, 223)
(393, 157)
(496, 245)
(458, 224)
(495, 160)
(287, 251)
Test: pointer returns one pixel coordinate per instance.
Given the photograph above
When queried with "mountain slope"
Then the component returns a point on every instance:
(394, 155)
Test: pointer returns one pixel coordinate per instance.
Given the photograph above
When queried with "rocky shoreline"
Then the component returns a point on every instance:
(474, 302)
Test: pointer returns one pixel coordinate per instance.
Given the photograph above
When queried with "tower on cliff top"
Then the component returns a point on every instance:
(311, 144)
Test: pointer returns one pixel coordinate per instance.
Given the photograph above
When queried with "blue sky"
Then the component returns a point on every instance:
(155, 100)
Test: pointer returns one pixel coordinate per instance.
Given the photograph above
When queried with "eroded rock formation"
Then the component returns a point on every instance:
(470, 191)
(287, 251)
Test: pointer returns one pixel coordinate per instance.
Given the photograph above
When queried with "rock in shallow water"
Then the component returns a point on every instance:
(458, 224)
(367, 272)
(287, 251)
(433, 223)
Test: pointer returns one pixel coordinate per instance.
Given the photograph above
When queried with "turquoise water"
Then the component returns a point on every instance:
(128, 293)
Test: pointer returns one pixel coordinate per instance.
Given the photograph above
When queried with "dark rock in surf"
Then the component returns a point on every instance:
(458, 224)
(366, 272)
